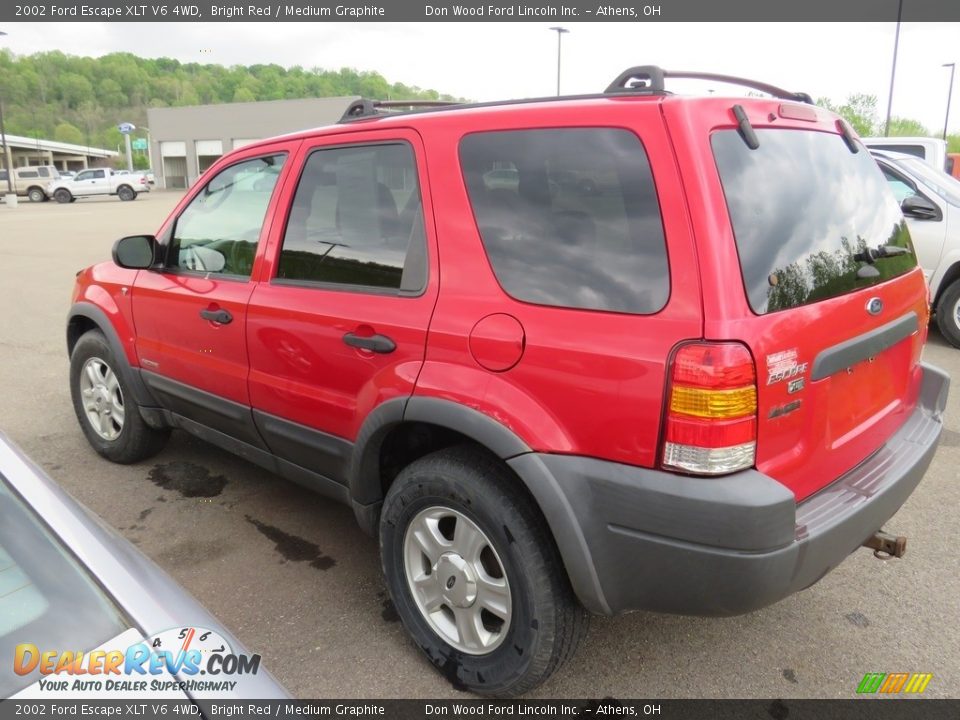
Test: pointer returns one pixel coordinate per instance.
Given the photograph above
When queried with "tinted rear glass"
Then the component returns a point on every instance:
(569, 217)
(804, 211)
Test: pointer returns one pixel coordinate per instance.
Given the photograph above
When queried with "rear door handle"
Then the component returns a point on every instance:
(375, 343)
(218, 316)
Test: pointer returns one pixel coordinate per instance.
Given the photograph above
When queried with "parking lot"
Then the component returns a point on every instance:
(291, 575)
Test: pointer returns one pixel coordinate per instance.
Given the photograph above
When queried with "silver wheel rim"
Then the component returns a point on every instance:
(956, 313)
(457, 580)
(102, 398)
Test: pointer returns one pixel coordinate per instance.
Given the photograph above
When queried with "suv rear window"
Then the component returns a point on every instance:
(569, 217)
(804, 209)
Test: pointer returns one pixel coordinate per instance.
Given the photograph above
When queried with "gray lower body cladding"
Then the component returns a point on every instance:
(640, 539)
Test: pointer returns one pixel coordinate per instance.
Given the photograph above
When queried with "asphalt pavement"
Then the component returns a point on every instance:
(294, 578)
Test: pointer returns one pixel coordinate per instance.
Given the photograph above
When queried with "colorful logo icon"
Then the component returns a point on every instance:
(893, 683)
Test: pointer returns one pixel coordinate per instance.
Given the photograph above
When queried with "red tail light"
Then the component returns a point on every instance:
(711, 417)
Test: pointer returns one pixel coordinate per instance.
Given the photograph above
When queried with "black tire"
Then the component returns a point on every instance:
(546, 622)
(136, 440)
(126, 193)
(62, 195)
(948, 309)
(36, 194)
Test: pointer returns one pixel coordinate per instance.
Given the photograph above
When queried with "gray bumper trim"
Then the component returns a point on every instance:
(633, 538)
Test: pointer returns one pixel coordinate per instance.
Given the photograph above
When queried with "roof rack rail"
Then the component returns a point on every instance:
(649, 79)
(363, 108)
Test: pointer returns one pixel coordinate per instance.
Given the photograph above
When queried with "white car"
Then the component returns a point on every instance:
(930, 200)
(98, 181)
(933, 151)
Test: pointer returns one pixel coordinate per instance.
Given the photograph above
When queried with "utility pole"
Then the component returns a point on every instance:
(946, 120)
(560, 31)
(893, 71)
(8, 156)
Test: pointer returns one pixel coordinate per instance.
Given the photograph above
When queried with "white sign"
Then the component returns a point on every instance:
(126, 128)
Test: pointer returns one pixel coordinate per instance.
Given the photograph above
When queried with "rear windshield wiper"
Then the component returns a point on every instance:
(871, 255)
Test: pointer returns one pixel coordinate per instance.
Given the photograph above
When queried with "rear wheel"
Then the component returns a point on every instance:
(62, 195)
(474, 574)
(36, 194)
(109, 415)
(948, 313)
(126, 193)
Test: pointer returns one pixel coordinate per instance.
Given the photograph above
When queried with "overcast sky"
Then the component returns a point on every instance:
(488, 61)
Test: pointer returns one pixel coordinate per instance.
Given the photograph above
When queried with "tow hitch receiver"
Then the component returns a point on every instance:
(886, 546)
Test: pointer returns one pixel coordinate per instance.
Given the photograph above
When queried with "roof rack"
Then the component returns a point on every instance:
(649, 79)
(362, 108)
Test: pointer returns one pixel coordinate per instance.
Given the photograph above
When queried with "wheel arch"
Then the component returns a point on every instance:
(84, 317)
(417, 426)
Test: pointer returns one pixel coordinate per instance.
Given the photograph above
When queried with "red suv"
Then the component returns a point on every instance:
(692, 384)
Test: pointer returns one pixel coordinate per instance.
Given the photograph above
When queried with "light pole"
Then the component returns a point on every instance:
(7, 155)
(946, 120)
(893, 70)
(560, 31)
(149, 147)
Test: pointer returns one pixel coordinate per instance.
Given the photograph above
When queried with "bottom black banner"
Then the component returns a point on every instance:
(858, 709)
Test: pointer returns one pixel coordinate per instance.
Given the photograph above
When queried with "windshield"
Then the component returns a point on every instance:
(944, 185)
(46, 598)
(811, 219)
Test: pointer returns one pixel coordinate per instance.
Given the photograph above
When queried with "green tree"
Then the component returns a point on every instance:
(67, 133)
(907, 127)
(46, 90)
(74, 89)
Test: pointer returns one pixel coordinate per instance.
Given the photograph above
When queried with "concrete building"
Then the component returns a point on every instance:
(185, 141)
(65, 156)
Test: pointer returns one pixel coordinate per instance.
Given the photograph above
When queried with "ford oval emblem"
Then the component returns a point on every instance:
(874, 306)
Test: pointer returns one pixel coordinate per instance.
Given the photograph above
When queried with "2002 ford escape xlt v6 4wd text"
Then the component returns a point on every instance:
(668, 358)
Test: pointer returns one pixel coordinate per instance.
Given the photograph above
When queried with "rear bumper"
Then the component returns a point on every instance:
(634, 539)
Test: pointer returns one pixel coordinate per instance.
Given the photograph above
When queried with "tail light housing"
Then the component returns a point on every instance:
(710, 425)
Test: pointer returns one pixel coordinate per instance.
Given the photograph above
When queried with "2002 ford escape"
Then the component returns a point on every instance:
(624, 351)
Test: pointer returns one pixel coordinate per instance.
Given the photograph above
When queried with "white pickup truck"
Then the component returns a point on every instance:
(98, 181)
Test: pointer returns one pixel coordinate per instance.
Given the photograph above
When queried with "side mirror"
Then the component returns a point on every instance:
(136, 252)
(917, 206)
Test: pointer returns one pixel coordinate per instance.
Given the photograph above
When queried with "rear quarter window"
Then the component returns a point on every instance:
(569, 217)
(804, 211)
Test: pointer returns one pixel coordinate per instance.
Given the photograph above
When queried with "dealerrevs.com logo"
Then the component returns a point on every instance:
(172, 660)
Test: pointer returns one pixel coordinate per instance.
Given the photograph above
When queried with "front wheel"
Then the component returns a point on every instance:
(126, 193)
(36, 195)
(108, 413)
(474, 573)
(63, 195)
(948, 314)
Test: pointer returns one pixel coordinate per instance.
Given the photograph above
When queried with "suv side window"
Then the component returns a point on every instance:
(569, 217)
(219, 230)
(357, 220)
(85, 175)
(27, 174)
(99, 174)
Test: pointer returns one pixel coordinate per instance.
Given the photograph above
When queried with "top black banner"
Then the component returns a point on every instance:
(479, 11)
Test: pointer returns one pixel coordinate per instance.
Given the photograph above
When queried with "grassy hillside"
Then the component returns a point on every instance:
(81, 99)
